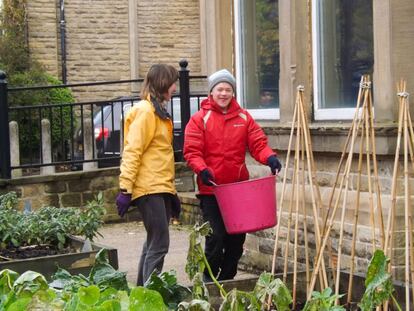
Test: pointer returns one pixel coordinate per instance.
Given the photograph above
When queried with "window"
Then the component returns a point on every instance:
(257, 55)
(342, 52)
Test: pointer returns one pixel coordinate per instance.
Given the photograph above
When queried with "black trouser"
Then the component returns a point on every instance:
(156, 213)
(222, 250)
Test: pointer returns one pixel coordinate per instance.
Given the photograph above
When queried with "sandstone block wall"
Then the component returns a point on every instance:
(167, 32)
(43, 30)
(98, 37)
(74, 189)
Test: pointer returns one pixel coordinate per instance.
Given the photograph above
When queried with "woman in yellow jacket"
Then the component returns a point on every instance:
(147, 167)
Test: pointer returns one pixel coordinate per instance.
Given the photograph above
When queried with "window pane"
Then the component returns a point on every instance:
(260, 54)
(345, 50)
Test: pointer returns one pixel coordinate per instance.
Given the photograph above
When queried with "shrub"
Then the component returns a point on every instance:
(23, 71)
(29, 120)
(48, 225)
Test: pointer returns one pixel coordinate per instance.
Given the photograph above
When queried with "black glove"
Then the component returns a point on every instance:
(274, 164)
(206, 177)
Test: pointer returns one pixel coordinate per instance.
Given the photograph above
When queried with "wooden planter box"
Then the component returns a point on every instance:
(75, 263)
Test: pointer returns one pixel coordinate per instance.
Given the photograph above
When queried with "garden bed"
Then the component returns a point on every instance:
(248, 284)
(74, 260)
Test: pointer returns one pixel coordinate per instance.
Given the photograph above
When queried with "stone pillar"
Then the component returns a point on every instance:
(46, 149)
(88, 146)
(14, 149)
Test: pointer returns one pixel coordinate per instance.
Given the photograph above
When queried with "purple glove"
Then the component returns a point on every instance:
(123, 201)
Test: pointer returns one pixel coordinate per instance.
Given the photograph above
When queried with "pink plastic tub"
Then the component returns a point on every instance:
(249, 205)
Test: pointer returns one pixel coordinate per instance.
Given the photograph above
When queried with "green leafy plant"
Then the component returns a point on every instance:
(267, 286)
(323, 301)
(235, 299)
(166, 284)
(8, 200)
(378, 283)
(62, 119)
(48, 225)
(103, 289)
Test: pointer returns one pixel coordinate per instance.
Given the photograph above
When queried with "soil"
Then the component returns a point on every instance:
(32, 252)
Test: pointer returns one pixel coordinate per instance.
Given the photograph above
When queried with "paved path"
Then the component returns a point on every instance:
(128, 239)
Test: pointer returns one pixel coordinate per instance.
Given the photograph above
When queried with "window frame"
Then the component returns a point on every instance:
(258, 114)
(322, 114)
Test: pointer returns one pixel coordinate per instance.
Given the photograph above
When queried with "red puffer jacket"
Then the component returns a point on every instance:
(219, 142)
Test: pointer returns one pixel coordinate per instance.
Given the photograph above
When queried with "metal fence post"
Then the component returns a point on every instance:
(4, 129)
(184, 102)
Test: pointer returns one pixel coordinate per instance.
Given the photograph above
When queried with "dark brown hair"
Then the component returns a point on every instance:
(158, 80)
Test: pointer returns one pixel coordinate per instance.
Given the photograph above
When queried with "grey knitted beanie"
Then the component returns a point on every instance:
(221, 76)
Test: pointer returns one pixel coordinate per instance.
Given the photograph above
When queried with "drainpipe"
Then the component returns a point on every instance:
(63, 40)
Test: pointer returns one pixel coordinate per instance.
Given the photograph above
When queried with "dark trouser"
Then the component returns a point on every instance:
(222, 250)
(156, 213)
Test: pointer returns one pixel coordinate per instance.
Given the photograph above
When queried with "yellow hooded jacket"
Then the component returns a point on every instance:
(147, 165)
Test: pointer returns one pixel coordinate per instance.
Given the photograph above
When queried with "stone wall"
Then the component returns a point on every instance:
(100, 40)
(42, 33)
(167, 32)
(74, 189)
(97, 39)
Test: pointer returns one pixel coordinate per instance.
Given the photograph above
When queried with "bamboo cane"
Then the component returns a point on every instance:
(341, 232)
(368, 158)
(305, 232)
(332, 216)
(411, 149)
(281, 202)
(410, 224)
(406, 209)
(282, 196)
(285, 267)
(344, 202)
(376, 179)
(311, 174)
(304, 212)
(407, 186)
(389, 233)
(295, 247)
(335, 207)
(356, 216)
(354, 122)
(326, 215)
(411, 140)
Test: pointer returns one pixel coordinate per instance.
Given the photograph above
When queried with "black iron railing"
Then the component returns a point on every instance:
(68, 122)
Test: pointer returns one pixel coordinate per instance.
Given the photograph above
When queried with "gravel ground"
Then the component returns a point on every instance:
(128, 238)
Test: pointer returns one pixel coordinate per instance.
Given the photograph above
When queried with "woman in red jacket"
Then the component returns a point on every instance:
(215, 144)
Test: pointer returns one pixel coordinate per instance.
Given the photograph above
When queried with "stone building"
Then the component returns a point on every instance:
(272, 46)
